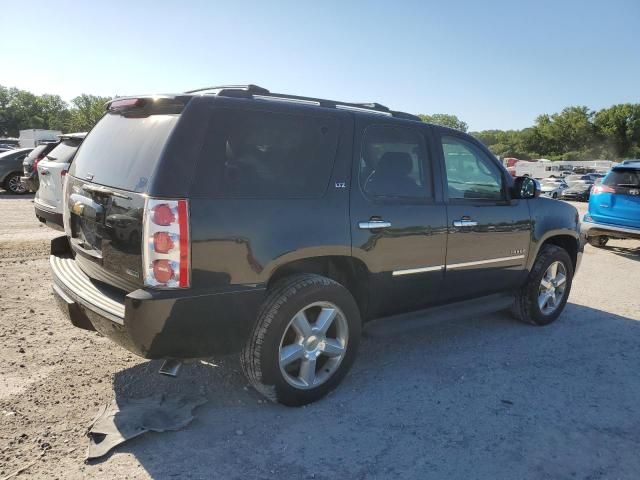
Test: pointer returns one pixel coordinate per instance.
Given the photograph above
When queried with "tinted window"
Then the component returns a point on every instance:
(268, 154)
(64, 152)
(123, 152)
(623, 177)
(392, 163)
(471, 174)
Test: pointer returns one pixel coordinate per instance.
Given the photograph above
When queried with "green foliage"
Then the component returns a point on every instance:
(445, 120)
(575, 133)
(20, 110)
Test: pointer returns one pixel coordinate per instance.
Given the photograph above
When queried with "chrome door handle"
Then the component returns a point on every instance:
(465, 223)
(373, 224)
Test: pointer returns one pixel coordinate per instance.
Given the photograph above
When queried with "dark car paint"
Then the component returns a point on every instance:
(238, 246)
(11, 162)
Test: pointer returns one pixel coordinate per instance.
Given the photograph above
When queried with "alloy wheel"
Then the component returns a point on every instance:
(15, 185)
(552, 288)
(313, 345)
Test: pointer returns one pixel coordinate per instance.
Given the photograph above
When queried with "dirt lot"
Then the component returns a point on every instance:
(479, 397)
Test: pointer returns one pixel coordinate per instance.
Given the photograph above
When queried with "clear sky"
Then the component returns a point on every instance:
(495, 64)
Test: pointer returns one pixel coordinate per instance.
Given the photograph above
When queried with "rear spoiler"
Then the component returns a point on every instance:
(145, 105)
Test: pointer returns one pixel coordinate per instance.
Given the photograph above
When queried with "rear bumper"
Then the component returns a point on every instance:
(154, 324)
(49, 217)
(594, 229)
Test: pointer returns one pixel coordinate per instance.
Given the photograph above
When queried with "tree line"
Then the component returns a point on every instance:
(21, 110)
(575, 133)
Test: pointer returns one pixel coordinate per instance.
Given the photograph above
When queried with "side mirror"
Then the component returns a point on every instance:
(525, 187)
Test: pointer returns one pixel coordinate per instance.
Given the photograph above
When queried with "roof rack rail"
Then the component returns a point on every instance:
(254, 91)
(247, 88)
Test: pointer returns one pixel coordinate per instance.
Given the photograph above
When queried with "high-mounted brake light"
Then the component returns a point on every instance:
(124, 103)
(166, 243)
(603, 189)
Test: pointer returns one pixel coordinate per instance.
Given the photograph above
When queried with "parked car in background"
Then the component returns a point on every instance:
(11, 169)
(552, 187)
(614, 206)
(30, 165)
(51, 171)
(579, 188)
(232, 219)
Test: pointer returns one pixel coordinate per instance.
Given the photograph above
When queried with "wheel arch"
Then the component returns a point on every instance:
(350, 272)
(570, 243)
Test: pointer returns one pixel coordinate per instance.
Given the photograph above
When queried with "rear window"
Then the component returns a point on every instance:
(123, 152)
(35, 153)
(623, 177)
(251, 153)
(64, 152)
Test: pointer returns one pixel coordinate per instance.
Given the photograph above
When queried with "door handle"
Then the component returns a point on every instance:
(45, 172)
(373, 224)
(465, 223)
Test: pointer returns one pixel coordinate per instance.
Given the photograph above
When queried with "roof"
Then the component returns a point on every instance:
(259, 93)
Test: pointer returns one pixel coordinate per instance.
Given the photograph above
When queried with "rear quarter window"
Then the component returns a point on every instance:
(265, 154)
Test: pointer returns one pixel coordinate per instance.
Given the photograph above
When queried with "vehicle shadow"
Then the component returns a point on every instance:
(4, 195)
(632, 253)
(483, 397)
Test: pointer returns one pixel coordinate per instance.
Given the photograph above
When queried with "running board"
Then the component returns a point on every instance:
(406, 322)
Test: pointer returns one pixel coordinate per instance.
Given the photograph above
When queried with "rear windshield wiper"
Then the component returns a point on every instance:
(104, 191)
(51, 158)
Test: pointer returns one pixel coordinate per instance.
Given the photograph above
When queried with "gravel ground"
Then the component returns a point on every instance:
(479, 397)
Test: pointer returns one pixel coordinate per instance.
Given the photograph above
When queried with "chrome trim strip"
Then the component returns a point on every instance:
(290, 100)
(363, 109)
(484, 262)
(417, 270)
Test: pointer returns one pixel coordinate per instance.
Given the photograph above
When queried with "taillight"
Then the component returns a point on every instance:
(63, 173)
(603, 189)
(166, 244)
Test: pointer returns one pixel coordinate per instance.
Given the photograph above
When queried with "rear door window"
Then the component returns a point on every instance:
(255, 153)
(393, 161)
(123, 151)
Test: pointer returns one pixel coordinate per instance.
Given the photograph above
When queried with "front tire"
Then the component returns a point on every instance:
(304, 341)
(541, 300)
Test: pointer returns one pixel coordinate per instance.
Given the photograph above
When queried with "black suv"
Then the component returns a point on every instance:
(233, 219)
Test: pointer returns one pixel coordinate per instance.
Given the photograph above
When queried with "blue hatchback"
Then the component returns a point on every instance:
(614, 206)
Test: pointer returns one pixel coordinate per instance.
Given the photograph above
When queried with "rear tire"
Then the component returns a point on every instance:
(599, 241)
(13, 185)
(304, 341)
(541, 300)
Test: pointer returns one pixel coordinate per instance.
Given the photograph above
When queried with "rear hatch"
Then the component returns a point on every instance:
(51, 171)
(617, 200)
(108, 184)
